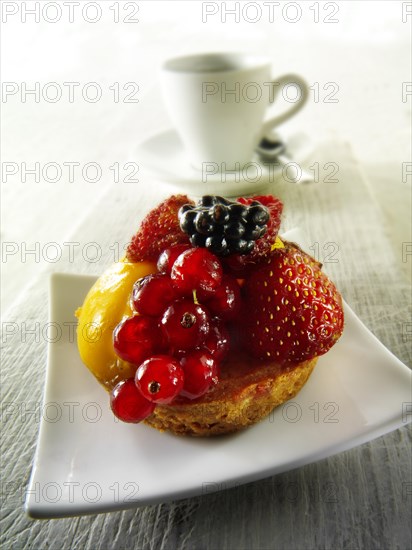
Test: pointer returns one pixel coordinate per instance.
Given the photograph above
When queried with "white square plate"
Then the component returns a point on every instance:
(87, 462)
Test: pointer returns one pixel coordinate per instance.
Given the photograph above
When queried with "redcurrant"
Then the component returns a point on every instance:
(225, 301)
(185, 324)
(127, 402)
(168, 257)
(200, 372)
(218, 340)
(136, 338)
(160, 379)
(196, 268)
(152, 294)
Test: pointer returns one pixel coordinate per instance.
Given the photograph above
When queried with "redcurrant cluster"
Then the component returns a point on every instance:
(178, 335)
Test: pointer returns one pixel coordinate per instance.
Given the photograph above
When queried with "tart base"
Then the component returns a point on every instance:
(245, 394)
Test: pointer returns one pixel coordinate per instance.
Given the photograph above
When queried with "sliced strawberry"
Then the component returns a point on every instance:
(242, 264)
(159, 230)
(294, 312)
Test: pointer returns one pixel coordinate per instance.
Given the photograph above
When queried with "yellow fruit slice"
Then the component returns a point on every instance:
(104, 307)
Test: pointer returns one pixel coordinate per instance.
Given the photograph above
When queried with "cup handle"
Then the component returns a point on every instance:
(279, 83)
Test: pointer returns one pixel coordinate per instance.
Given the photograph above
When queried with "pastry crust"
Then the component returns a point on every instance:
(246, 393)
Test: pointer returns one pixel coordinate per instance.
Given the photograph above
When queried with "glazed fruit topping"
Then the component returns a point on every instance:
(168, 257)
(217, 340)
(176, 339)
(262, 295)
(196, 269)
(224, 227)
(137, 337)
(152, 294)
(225, 301)
(128, 403)
(159, 230)
(201, 372)
(160, 379)
(294, 312)
(185, 324)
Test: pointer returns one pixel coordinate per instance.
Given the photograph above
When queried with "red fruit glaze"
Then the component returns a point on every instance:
(200, 371)
(135, 338)
(128, 404)
(160, 379)
(293, 310)
(195, 269)
(225, 301)
(168, 257)
(218, 341)
(152, 294)
(185, 324)
(160, 229)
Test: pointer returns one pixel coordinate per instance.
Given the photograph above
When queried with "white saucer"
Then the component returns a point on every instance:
(163, 156)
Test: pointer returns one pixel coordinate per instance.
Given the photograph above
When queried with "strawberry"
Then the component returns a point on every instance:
(294, 312)
(243, 264)
(159, 230)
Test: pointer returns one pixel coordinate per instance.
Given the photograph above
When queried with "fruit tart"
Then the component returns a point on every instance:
(211, 319)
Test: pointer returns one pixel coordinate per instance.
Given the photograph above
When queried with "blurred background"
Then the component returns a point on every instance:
(80, 90)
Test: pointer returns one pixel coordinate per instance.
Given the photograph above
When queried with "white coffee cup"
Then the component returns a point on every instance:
(218, 103)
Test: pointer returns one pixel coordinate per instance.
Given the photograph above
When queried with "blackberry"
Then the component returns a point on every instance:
(252, 232)
(187, 219)
(235, 230)
(223, 226)
(258, 215)
(220, 214)
(210, 200)
(204, 223)
(207, 200)
(217, 244)
(196, 239)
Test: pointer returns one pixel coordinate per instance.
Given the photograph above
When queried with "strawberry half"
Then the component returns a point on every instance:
(293, 310)
(159, 230)
(241, 265)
